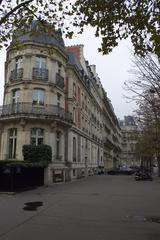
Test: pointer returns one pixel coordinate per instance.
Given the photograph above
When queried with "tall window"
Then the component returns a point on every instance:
(59, 99)
(59, 68)
(19, 62)
(17, 72)
(38, 96)
(58, 137)
(15, 96)
(74, 89)
(74, 149)
(74, 114)
(40, 62)
(12, 142)
(37, 136)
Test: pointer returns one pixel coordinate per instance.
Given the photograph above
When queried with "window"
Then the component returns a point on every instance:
(86, 144)
(59, 68)
(19, 62)
(38, 96)
(15, 96)
(12, 142)
(59, 99)
(17, 72)
(58, 137)
(74, 172)
(74, 115)
(40, 72)
(82, 103)
(79, 95)
(37, 136)
(74, 149)
(40, 62)
(74, 89)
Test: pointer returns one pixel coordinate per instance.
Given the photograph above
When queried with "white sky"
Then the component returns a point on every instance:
(112, 69)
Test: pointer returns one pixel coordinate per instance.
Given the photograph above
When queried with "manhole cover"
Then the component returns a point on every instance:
(32, 206)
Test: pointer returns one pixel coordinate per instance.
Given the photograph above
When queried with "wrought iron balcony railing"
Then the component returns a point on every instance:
(59, 80)
(39, 111)
(16, 74)
(40, 74)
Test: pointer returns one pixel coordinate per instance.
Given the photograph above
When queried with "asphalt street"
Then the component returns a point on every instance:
(96, 208)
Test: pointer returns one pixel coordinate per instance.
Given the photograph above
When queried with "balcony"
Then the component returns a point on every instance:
(40, 74)
(16, 75)
(29, 110)
(59, 81)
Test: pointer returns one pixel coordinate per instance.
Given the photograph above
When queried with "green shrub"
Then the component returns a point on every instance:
(40, 153)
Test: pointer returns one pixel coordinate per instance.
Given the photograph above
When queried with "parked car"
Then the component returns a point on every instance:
(143, 175)
(135, 168)
(101, 170)
(120, 171)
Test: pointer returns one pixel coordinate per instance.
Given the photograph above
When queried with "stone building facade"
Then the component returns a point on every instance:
(53, 96)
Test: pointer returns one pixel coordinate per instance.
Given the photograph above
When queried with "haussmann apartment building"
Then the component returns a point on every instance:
(53, 96)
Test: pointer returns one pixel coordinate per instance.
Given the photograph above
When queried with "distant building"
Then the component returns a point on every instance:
(129, 140)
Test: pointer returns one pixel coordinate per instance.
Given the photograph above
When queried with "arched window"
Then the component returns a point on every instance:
(74, 149)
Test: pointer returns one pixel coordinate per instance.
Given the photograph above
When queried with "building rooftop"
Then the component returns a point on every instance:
(36, 33)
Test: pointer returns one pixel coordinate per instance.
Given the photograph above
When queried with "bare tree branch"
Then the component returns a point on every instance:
(3, 19)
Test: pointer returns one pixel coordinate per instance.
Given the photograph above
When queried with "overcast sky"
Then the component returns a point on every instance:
(112, 69)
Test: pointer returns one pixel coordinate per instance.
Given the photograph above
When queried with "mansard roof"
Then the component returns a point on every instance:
(36, 33)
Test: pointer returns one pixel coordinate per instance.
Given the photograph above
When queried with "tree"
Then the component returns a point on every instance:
(145, 79)
(112, 20)
(148, 144)
(145, 86)
(18, 14)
